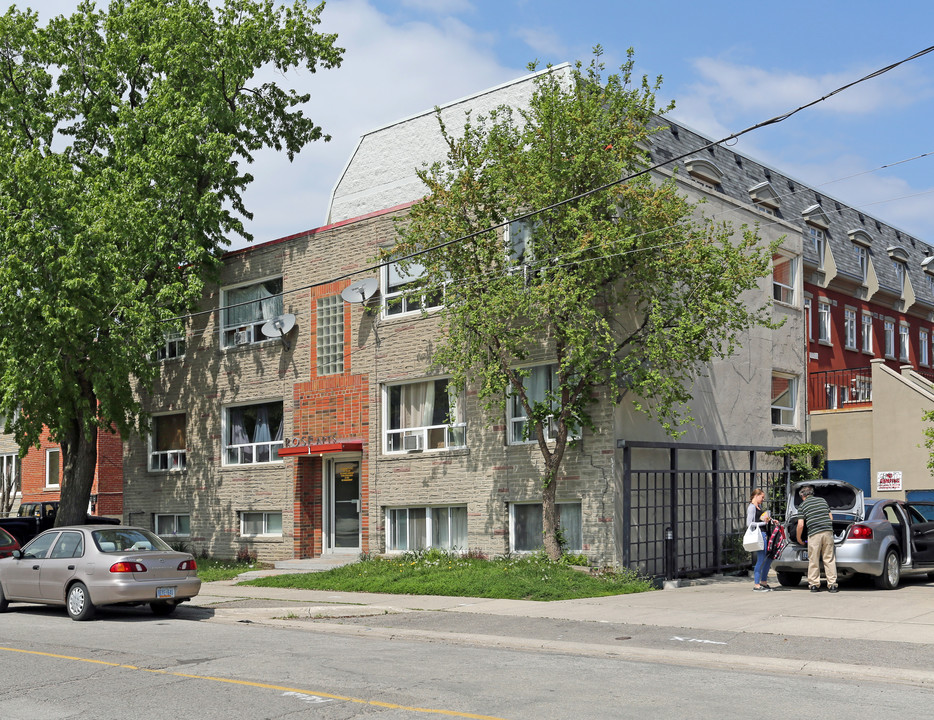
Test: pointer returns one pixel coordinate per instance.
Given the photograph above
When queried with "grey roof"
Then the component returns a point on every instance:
(742, 174)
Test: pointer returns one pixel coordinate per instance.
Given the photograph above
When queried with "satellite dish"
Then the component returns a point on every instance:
(360, 291)
(282, 324)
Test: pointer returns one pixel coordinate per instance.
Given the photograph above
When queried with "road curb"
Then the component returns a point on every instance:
(290, 620)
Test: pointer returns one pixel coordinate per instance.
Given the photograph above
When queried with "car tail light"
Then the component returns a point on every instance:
(130, 567)
(860, 532)
(188, 565)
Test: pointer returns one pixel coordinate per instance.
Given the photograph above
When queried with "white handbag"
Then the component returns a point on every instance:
(752, 540)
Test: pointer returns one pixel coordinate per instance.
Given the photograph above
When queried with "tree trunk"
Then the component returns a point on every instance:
(550, 518)
(79, 459)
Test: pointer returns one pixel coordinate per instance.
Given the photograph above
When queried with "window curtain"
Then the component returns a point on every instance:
(261, 432)
(252, 304)
(569, 520)
(418, 402)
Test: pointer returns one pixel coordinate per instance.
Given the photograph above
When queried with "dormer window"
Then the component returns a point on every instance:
(861, 242)
(899, 258)
(704, 171)
(815, 216)
(927, 265)
(817, 225)
(765, 198)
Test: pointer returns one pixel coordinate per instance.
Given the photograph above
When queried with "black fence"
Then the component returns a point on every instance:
(690, 517)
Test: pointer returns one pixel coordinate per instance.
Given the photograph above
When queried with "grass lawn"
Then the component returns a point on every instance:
(210, 569)
(532, 577)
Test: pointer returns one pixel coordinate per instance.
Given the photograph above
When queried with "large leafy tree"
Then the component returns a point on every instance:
(125, 136)
(628, 290)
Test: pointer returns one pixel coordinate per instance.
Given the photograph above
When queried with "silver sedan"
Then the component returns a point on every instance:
(85, 566)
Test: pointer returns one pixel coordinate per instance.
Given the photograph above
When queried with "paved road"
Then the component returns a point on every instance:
(860, 632)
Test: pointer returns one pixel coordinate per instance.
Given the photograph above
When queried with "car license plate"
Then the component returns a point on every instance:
(165, 592)
(804, 555)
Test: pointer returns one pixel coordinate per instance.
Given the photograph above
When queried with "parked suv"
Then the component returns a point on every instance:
(884, 539)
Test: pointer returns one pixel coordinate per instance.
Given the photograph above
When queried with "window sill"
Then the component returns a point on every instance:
(851, 348)
(263, 538)
(432, 452)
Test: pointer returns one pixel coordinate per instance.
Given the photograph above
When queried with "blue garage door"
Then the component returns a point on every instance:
(855, 472)
(919, 495)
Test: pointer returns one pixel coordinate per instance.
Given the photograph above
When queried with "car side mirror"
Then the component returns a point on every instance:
(17, 554)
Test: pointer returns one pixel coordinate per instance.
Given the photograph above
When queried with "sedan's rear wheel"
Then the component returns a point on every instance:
(79, 602)
(163, 608)
(4, 603)
(891, 572)
(789, 579)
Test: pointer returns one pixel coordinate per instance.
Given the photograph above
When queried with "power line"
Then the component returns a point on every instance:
(713, 143)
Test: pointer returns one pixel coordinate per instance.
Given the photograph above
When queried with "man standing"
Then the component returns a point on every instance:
(816, 516)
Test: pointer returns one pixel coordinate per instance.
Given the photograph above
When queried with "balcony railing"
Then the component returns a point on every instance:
(848, 389)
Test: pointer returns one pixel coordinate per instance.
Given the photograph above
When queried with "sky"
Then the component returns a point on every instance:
(726, 65)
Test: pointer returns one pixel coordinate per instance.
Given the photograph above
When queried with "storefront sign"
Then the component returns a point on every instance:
(891, 480)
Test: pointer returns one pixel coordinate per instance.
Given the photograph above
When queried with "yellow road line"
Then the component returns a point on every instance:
(266, 686)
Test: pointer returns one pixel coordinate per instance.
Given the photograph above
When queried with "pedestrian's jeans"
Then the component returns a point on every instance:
(820, 547)
(763, 563)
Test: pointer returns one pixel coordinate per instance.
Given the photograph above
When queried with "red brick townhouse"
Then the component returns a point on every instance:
(38, 475)
(869, 303)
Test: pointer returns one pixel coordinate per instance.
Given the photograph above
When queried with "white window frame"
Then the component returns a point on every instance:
(784, 292)
(515, 413)
(824, 324)
(807, 318)
(249, 453)
(849, 327)
(923, 347)
(173, 347)
(10, 465)
(890, 339)
(435, 437)
(49, 452)
(899, 268)
(175, 460)
(867, 334)
(862, 260)
(516, 233)
(818, 242)
(394, 300)
(266, 516)
(248, 331)
(330, 332)
(408, 515)
(787, 412)
(904, 341)
(175, 518)
(572, 547)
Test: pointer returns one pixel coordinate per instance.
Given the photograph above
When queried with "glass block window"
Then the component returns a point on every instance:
(330, 335)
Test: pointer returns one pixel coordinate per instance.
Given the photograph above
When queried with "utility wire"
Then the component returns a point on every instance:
(713, 143)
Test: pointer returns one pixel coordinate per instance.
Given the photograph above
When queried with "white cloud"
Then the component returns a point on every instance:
(439, 7)
(742, 88)
(389, 72)
(542, 40)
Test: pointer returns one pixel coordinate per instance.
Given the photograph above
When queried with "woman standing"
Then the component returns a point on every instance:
(761, 519)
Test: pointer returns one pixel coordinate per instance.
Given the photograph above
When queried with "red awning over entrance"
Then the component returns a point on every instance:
(338, 447)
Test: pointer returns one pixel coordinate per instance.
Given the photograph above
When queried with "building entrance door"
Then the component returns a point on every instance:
(344, 506)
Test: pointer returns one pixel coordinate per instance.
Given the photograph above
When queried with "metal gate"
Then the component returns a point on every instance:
(682, 519)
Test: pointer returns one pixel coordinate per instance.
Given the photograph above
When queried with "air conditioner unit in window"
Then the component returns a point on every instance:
(242, 337)
(412, 442)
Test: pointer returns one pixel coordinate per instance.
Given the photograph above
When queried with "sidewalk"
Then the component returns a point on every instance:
(719, 622)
